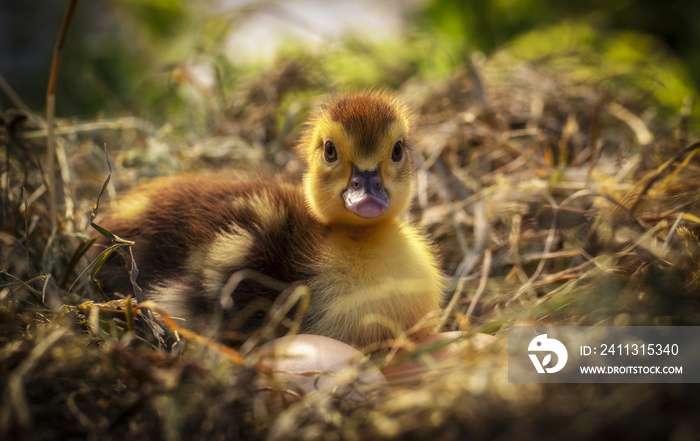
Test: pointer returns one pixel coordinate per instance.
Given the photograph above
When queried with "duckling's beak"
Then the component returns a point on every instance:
(365, 195)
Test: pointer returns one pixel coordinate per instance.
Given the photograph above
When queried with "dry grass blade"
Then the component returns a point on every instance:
(51, 112)
(27, 284)
(641, 131)
(468, 262)
(93, 214)
(117, 242)
(225, 296)
(227, 351)
(656, 174)
(485, 268)
(80, 251)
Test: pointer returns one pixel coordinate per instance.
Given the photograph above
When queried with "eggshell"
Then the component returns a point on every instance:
(434, 353)
(306, 363)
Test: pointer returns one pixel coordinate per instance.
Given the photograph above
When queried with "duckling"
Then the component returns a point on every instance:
(340, 230)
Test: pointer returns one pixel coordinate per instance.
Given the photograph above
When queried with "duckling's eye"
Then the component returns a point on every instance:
(397, 152)
(329, 152)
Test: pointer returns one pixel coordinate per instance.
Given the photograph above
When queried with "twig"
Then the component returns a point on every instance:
(65, 178)
(129, 122)
(51, 110)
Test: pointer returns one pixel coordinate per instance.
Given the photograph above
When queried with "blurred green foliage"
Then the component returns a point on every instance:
(652, 45)
(487, 25)
(157, 58)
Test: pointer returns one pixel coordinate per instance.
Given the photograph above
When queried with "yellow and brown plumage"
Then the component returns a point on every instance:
(371, 275)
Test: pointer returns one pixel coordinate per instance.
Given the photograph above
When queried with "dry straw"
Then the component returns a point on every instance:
(550, 200)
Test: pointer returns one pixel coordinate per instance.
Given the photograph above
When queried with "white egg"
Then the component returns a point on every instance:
(301, 364)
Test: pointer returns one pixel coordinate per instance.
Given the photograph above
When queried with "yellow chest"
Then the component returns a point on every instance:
(374, 286)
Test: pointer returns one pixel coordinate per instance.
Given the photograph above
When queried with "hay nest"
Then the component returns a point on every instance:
(552, 201)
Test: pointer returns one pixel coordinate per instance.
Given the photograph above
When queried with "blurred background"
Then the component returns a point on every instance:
(155, 58)
(556, 174)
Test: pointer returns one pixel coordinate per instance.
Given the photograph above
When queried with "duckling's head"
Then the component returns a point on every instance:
(359, 167)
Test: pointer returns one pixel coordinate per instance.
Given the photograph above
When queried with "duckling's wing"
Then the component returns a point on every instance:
(209, 228)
